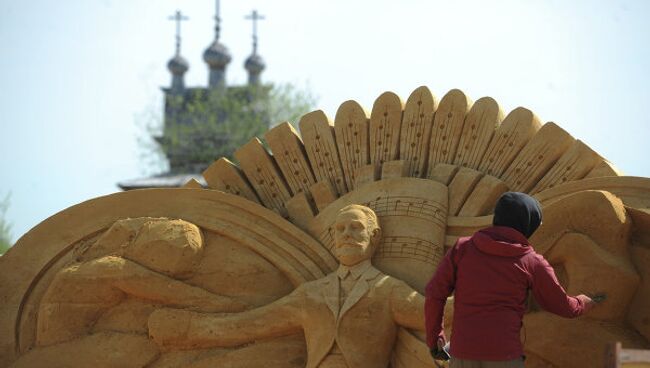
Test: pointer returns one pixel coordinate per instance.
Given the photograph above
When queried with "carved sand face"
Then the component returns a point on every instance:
(353, 238)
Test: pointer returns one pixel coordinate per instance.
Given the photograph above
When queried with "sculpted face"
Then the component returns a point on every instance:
(354, 239)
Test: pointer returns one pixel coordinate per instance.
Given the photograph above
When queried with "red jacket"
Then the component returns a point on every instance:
(490, 274)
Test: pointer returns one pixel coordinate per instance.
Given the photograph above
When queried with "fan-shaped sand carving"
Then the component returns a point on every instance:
(431, 168)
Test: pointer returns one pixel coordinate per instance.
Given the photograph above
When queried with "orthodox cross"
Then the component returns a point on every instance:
(178, 17)
(217, 19)
(255, 16)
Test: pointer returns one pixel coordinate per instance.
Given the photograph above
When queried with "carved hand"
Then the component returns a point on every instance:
(169, 327)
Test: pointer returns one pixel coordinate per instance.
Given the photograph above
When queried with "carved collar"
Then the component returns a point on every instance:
(355, 271)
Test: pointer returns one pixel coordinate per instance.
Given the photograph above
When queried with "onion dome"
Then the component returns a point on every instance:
(178, 65)
(254, 64)
(217, 55)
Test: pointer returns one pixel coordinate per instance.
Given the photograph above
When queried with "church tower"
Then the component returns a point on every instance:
(254, 64)
(178, 65)
(217, 56)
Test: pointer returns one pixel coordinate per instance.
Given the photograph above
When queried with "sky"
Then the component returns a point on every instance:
(80, 79)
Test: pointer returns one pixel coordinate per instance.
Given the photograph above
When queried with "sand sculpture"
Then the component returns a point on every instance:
(241, 274)
(349, 317)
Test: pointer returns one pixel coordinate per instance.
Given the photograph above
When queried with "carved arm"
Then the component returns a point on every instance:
(141, 282)
(407, 306)
(184, 329)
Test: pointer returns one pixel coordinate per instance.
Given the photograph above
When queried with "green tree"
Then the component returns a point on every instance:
(5, 226)
(202, 125)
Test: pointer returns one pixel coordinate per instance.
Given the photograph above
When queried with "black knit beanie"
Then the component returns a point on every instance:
(518, 211)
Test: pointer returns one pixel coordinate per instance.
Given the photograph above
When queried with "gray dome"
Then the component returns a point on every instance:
(254, 64)
(217, 55)
(178, 65)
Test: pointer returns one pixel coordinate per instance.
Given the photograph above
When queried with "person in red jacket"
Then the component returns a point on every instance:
(490, 274)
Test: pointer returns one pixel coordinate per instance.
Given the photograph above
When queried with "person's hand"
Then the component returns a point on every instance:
(587, 302)
(438, 352)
